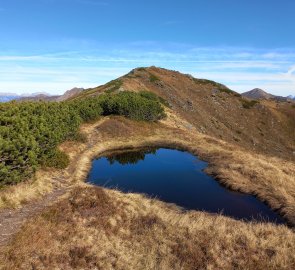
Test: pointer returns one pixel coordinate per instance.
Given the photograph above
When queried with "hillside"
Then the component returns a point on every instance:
(6, 97)
(45, 97)
(260, 94)
(213, 109)
(70, 94)
(257, 94)
(38, 97)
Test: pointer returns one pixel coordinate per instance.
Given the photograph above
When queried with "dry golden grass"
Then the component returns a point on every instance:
(103, 229)
(271, 179)
(45, 180)
(95, 228)
(15, 196)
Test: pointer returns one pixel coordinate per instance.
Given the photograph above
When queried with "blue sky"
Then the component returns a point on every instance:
(55, 45)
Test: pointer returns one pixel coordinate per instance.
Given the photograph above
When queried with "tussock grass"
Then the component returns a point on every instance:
(95, 228)
(15, 196)
(271, 179)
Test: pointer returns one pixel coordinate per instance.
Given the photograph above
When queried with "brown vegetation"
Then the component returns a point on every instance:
(94, 228)
(267, 127)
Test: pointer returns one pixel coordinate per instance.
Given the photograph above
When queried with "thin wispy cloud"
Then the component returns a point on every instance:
(240, 68)
(291, 70)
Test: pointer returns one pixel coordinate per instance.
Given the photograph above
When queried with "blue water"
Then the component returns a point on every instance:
(176, 177)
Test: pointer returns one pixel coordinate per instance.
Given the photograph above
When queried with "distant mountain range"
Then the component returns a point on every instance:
(258, 93)
(6, 97)
(255, 93)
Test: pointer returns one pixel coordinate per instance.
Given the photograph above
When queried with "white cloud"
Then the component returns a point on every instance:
(54, 81)
(242, 76)
(291, 70)
(278, 55)
(56, 72)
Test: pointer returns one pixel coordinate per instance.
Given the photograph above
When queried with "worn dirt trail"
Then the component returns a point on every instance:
(11, 220)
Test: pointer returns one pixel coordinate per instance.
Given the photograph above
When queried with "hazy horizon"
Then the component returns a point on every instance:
(53, 46)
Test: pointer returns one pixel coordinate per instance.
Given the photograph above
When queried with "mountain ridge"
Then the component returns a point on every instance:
(214, 109)
(40, 96)
(258, 93)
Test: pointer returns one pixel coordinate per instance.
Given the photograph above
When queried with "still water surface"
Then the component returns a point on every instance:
(176, 177)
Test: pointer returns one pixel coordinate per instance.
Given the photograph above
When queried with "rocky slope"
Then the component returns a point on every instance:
(44, 97)
(258, 94)
(41, 96)
(211, 108)
(70, 94)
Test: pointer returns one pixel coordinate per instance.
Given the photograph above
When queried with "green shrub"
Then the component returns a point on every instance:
(89, 109)
(132, 105)
(31, 131)
(29, 135)
(113, 86)
(154, 97)
(219, 86)
(248, 104)
(149, 95)
(58, 159)
(153, 78)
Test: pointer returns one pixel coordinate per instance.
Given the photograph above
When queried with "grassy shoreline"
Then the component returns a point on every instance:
(231, 166)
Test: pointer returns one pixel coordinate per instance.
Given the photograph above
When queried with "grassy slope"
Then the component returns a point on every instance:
(95, 228)
(112, 230)
(266, 127)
